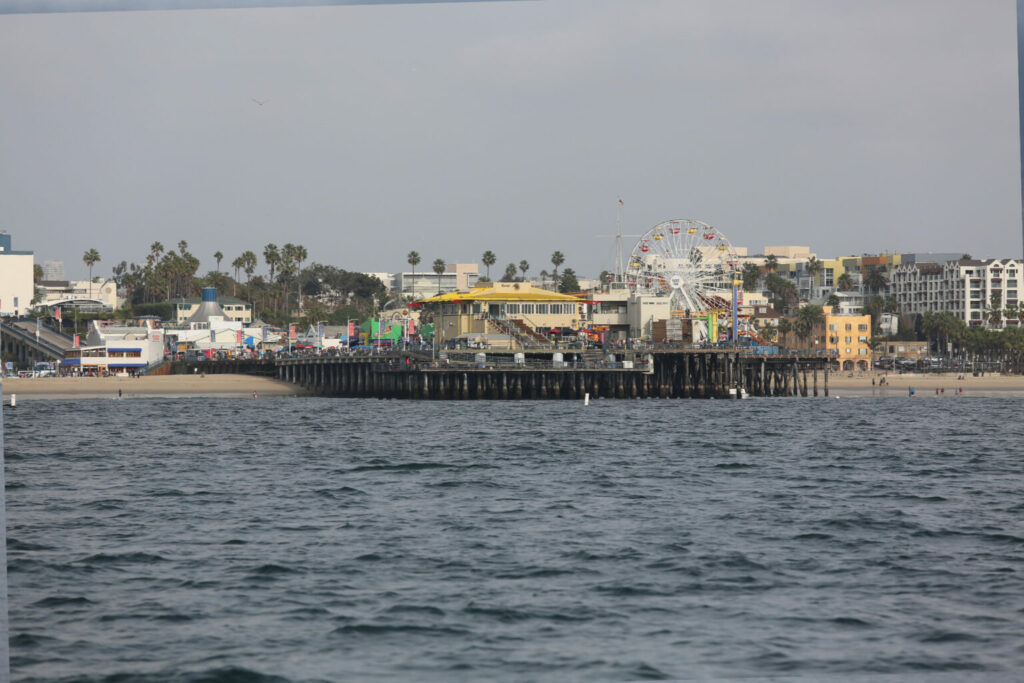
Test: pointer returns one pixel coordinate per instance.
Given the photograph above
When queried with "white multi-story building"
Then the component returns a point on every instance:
(100, 295)
(962, 287)
(16, 278)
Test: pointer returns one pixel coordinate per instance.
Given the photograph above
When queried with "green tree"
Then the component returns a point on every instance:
(489, 260)
(751, 275)
(814, 269)
(568, 282)
(807, 319)
(37, 273)
(785, 327)
(91, 258)
(217, 255)
(844, 282)
(995, 309)
(237, 264)
(833, 301)
(413, 259)
(771, 262)
(510, 273)
(524, 266)
(439, 267)
(876, 280)
(557, 259)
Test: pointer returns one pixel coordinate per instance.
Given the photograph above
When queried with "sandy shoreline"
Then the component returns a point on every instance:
(160, 385)
(926, 384)
(244, 386)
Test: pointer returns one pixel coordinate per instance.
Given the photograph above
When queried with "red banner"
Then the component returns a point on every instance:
(76, 341)
(291, 331)
(238, 336)
(351, 328)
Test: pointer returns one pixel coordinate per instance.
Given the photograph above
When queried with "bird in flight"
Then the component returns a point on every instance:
(259, 102)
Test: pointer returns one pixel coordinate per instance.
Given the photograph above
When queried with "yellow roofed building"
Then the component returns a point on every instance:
(505, 314)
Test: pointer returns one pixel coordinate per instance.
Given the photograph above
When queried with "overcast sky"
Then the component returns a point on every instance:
(849, 126)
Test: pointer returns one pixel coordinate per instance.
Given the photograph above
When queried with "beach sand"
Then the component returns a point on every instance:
(244, 386)
(159, 385)
(925, 384)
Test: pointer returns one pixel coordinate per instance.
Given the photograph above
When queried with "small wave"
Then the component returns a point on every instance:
(388, 629)
(735, 466)
(369, 557)
(15, 544)
(26, 640)
(404, 467)
(941, 637)
(61, 601)
(123, 558)
(416, 609)
(270, 571)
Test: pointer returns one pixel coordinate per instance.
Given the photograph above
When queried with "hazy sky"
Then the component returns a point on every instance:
(849, 126)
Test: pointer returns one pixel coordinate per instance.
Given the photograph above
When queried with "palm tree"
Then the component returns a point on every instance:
(844, 282)
(876, 280)
(413, 259)
(771, 262)
(489, 260)
(182, 247)
(557, 259)
(524, 266)
(814, 268)
(995, 309)
(751, 275)
(439, 267)
(91, 258)
(249, 263)
(272, 257)
(300, 254)
(217, 255)
(237, 264)
(785, 327)
(807, 319)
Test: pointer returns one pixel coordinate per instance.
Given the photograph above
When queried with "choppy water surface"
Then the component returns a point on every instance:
(324, 539)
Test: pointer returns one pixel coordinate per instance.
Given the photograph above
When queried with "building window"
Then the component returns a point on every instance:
(542, 309)
(832, 327)
(513, 309)
(862, 328)
(849, 340)
(849, 327)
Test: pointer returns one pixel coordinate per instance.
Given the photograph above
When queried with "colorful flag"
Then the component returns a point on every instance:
(291, 331)
(213, 336)
(56, 314)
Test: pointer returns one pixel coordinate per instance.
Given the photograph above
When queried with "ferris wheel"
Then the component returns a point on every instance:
(687, 260)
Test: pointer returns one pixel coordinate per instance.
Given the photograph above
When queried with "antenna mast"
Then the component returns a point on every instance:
(618, 242)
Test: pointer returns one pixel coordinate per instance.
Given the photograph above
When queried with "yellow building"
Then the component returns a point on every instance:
(847, 340)
(504, 314)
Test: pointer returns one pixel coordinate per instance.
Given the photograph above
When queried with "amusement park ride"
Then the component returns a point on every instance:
(694, 265)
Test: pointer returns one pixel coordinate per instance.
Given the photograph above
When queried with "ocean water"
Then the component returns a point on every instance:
(310, 539)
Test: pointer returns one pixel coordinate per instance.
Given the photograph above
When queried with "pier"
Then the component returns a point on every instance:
(710, 373)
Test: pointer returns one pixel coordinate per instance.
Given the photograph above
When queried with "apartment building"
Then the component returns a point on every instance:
(963, 287)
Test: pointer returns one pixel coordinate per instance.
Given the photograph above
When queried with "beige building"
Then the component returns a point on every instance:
(848, 340)
(235, 309)
(504, 314)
